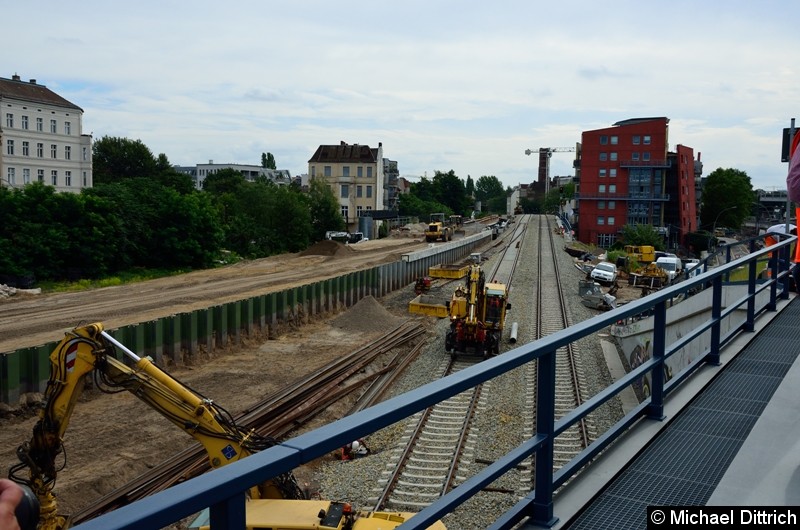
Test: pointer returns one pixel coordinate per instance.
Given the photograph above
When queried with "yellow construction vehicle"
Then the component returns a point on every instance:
(644, 254)
(477, 315)
(89, 349)
(438, 228)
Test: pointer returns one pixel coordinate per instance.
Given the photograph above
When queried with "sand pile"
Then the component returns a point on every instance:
(367, 315)
(326, 248)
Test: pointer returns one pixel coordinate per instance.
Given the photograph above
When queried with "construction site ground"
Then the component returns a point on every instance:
(113, 438)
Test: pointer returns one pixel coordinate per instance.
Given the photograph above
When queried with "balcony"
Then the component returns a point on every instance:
(658, 197)
(645, 163)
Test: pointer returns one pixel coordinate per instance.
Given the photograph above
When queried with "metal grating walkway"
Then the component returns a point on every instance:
(686, 462)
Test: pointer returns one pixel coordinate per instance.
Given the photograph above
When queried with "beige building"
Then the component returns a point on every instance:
(355, 173)
(41, 138)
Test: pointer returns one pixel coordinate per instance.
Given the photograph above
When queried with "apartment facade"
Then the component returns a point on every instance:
(41, 138)
(199, 172)
(627, 176)
(355, 173)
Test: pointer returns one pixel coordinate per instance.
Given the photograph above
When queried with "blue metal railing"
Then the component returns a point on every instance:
(224, 489)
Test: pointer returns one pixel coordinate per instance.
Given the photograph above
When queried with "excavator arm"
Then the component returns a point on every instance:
(90, 349)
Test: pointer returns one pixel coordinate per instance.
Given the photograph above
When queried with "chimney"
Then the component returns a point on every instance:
(15, 77)
(33, 81)
(343, 143)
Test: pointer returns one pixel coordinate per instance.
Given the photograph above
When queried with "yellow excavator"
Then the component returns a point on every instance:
(477, 315)
(89, 349)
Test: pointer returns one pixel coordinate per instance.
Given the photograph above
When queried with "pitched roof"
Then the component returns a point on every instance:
(345, 153)
(33, 92)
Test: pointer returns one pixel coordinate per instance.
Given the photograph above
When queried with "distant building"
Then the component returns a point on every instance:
(355, 173)
(41, 138)
(199, 172)
(627, 176)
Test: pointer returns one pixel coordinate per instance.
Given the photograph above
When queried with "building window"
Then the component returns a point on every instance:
(612, 205)
(614, 140)
(612, 188)
(25, 122)
(602, 173)
(39, 124)
(26, 149)
(634, 156)
(613, 156)
(613, 172)
(601, 205)
(359, 171)
(646, 139)
(9, 120)
(40, 175)
(67, 127)
(369, 192)
(54, 177)
(345, 171)
(369, 208)
(359, 209)
(85, 180)
(40, 150)
(68, 178)
(603, 157)
(12, 175)
(53, 126)
(369, 172)
(67, 152)
(646, 155)
(601, 188)
(53, 151)
(604, 140)
(637, 139)
(10, 147)
(359, 191)
(327, 171)
(345, 191)
(26, 176)
(345, 210)
(601, 220)
(610, 220)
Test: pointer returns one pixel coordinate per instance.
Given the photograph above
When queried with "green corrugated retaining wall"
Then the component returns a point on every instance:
(176, 338)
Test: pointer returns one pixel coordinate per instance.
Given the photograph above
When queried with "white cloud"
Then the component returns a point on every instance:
(444, 85)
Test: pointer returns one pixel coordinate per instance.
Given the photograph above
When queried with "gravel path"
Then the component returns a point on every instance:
(499, 426)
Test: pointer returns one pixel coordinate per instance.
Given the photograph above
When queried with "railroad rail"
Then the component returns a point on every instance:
(275, 416)
(551, 315)
(438, 445)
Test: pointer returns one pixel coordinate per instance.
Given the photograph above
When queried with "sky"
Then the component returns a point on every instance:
(465, 86)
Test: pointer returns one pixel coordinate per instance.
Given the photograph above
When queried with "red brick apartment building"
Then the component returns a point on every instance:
(627, 176)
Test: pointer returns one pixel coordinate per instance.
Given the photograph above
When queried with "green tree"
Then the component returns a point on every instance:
(469, 188)
(727, 199)
(114, 159)
(268, 161)
(642, 234)
(324, 209)
(451, 191)
(489, 190)
(172, 178)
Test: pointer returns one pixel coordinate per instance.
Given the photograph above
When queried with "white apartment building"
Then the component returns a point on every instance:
(41, 138)
(199, 172)
(355, 174)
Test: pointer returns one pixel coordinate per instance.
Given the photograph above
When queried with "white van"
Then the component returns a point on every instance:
(671, 265)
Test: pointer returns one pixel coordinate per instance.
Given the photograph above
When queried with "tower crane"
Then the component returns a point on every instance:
(544, 161)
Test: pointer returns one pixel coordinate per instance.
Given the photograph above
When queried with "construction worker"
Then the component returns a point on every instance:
(355, 450)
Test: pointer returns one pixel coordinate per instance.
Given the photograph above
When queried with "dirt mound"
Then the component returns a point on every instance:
(367, 315)
(326, 248)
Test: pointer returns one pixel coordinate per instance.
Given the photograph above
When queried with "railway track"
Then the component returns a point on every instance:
(438, 444)
(275, 416)
(551, 315)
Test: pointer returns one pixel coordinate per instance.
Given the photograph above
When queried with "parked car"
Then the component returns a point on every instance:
(604, 272)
